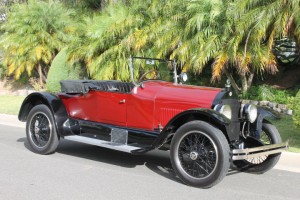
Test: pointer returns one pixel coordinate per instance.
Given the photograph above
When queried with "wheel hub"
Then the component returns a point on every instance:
(36, 127)
(193, 155)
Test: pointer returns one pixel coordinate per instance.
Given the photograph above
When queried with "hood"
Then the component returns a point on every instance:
(186, 96)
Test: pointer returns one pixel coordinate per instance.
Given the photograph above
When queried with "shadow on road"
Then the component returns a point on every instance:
(26, 145)
(156, 161)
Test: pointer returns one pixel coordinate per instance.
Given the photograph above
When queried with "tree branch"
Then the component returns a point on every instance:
(236, 88)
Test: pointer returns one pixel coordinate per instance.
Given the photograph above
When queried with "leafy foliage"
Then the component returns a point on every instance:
(61, 69)
(267, 93)
(236, 37)
(34, 33)
(295, 105)
(104, 46)
(2, 71)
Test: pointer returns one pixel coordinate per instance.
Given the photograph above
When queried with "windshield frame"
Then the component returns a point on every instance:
(131, 66)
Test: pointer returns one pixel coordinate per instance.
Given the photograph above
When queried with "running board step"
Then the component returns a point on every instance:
(102, 143)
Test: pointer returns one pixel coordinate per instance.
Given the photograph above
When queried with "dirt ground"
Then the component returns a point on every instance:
(7, 88)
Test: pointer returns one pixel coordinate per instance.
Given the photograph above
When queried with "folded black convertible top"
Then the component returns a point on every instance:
(84, 86)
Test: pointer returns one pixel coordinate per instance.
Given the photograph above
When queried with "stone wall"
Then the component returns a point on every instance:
(281, 108)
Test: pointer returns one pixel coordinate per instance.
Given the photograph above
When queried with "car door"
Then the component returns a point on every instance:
(141, 105)
(112, 108)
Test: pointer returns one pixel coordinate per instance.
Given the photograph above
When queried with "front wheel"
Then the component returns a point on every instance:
(200, 154)
(40, 130)
(262, 164)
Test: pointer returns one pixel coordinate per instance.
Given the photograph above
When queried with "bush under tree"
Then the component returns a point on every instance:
(295, 105)
(61, 69)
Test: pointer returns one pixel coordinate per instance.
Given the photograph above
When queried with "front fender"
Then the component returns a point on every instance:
(262, 114)
(54, 104)
(207, 115)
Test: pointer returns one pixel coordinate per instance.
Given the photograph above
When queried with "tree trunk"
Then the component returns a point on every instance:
(40, 74)
(244, 84)
(235, 86)
(246, 81)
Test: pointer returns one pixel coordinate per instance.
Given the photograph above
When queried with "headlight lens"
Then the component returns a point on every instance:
(183, 77)
(224, 109)
(250, 111)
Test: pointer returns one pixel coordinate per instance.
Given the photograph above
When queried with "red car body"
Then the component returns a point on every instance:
(145, 108)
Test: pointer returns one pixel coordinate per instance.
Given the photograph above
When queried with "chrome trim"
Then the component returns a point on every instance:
(242, 154)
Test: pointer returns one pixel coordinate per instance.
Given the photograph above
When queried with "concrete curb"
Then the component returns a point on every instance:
(288, 161)
(11, 120)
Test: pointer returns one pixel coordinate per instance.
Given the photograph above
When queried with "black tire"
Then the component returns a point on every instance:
(40, 130)
(262, 164)
(200, 154)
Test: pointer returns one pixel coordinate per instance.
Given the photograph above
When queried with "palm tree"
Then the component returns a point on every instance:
(248, 44)
(237, 35)
(105, 45)
(34, 33)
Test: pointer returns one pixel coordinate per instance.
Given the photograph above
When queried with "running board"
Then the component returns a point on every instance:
(102, 143)
(242, 154)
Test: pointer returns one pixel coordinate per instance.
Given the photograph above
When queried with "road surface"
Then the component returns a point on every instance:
(79, 171)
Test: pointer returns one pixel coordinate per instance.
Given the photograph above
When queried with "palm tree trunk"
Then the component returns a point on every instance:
(246, 81)
(244, 84)
(235, 86)
(40, 74)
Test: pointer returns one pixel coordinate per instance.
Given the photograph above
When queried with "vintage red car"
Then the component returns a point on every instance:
(205, 129)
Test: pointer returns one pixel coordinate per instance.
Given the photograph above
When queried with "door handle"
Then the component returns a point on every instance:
(122, 101)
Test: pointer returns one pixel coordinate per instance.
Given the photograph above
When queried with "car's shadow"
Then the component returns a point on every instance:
(156, 161)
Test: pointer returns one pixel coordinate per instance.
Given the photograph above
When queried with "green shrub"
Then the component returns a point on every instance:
(61, 70)
(294, 104)
(267, 93)
(2, 71)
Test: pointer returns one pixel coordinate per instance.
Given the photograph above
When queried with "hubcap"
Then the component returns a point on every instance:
(194, 155)
(36, 127)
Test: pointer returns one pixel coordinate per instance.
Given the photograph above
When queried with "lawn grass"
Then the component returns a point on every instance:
(10, 104)
(285, 126)
(287, 131)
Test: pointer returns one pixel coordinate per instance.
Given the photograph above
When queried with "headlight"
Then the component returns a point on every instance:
(250, 111)
(224, 109)
(183, 77)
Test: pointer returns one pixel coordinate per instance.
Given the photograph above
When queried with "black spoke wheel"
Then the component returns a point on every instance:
(200, 154)
(40, 130)
(262, 164)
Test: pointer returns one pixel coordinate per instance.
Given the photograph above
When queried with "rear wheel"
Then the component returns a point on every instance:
(200, 154)
(40, 130)
(262, 164)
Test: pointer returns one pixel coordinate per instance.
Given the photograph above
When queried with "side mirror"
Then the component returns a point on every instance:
(183, 77)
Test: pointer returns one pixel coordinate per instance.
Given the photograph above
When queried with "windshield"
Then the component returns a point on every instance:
(152, 69)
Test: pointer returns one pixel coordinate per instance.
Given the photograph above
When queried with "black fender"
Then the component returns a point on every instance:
(262, 114)
(54, 104)
(208, 115)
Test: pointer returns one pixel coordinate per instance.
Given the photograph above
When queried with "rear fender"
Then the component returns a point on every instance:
(210, 116)
(54, 104)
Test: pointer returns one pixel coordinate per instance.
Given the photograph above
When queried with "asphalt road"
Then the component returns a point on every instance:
(79, 171)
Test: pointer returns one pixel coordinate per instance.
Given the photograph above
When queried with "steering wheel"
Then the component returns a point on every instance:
(154, 75)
